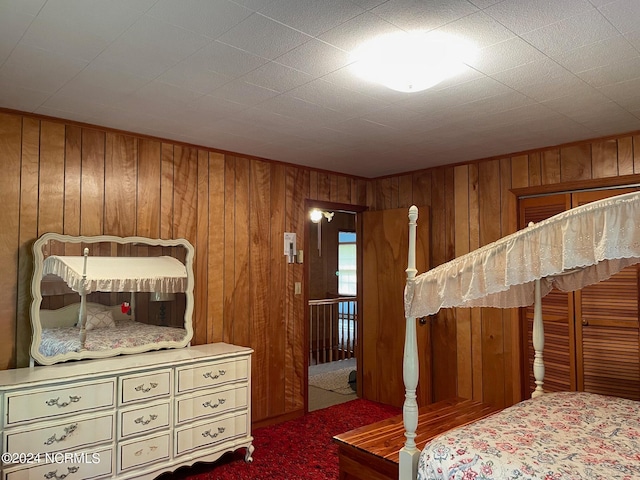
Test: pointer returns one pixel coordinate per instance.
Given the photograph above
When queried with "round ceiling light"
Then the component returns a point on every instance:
(412, 61)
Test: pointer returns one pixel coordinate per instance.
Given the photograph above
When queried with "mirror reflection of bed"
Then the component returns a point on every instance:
(137, 291)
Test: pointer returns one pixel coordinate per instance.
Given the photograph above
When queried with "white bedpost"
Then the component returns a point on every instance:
(538, 341)
(82, 313)
(409, 454)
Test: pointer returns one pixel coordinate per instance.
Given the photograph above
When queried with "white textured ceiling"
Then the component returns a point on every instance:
(270, 78)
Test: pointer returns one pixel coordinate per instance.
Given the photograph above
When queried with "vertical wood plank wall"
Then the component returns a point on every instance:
(65, 178)
(74, 179)
(476, 352)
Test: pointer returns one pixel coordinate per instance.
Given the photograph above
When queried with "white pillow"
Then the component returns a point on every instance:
(62, 317)
(99, 318)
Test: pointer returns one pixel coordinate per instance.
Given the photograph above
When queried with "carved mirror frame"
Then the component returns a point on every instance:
(37, 297)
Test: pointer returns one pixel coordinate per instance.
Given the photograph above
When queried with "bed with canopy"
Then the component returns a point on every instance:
(555, 435)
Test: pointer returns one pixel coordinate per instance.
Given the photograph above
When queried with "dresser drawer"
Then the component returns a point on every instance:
(91, 465)
(144, 419)
(192, 437)
(144, 451)
(213, 402)
(60, 400)
(145, 386)
(72, 434)
(210, 374)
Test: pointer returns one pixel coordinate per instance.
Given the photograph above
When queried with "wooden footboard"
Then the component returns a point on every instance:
(371, 452)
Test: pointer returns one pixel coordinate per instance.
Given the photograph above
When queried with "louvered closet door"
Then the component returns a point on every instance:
(557, 313)
(607, 330)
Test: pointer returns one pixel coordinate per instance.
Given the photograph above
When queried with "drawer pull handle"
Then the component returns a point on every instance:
(142, 388)
(152, 448)
(55, 475)
(145, 422)
(212, 376)
(213, 435)
(56, 401)
(214, 405)
(67, 431)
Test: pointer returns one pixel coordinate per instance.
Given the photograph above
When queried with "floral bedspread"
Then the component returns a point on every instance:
(126, 333)
(565, 435)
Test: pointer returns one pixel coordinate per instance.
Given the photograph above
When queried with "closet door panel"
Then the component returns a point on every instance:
(607, 327)
(557, 312)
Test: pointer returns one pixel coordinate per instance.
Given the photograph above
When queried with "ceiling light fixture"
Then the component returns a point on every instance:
(412, 61)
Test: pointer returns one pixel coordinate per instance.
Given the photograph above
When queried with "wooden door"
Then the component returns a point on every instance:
(557, 313)
(592, 336)
(385, 247)
(607, 333)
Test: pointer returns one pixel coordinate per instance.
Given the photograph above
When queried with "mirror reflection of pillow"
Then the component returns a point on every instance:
(99, 318)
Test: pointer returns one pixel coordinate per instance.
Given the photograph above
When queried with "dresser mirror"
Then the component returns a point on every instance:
(102, 296)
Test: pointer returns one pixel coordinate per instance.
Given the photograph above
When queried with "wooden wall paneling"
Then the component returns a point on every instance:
(359, 191)
(92, 188)
(259, 273)
(636, 154)
(438, 220)
(72, 178)
(29, 167)
(510, 323)
(51, 192)
(371, 194)
(201, 303)
(148, 188)
(279, 291)
(297, 190)
(625, 156)
(550, 167)
(216, 249)
(340, 189)
(535, 169)
(229, 248)
(575, 162)
(313, 185)
(324, 186)
(385, 193)
(405, 191)
(476, 313)
(10, 145)
(492, 333)
(439, 321)
(120, 185)
(242, 310)
(185, 193)
(443, 333)
(463, 315)
(166, 191)
(395, 193)
(520, 170)
(604, 159)
(421, 191)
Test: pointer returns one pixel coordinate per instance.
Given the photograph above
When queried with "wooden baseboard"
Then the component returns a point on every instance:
(265, 422)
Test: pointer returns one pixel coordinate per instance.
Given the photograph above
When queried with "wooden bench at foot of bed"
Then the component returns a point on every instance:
(371, 452)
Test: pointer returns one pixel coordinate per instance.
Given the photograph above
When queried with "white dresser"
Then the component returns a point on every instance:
(133, 416)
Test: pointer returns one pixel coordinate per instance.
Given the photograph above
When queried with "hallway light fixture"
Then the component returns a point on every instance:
(412, 61)
(316, 215)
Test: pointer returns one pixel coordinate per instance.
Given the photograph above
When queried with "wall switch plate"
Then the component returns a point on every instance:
(298, 288)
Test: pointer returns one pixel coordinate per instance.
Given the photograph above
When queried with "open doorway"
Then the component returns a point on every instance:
(332, 258)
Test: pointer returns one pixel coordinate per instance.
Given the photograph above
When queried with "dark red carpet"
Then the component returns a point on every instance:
(301, 449)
